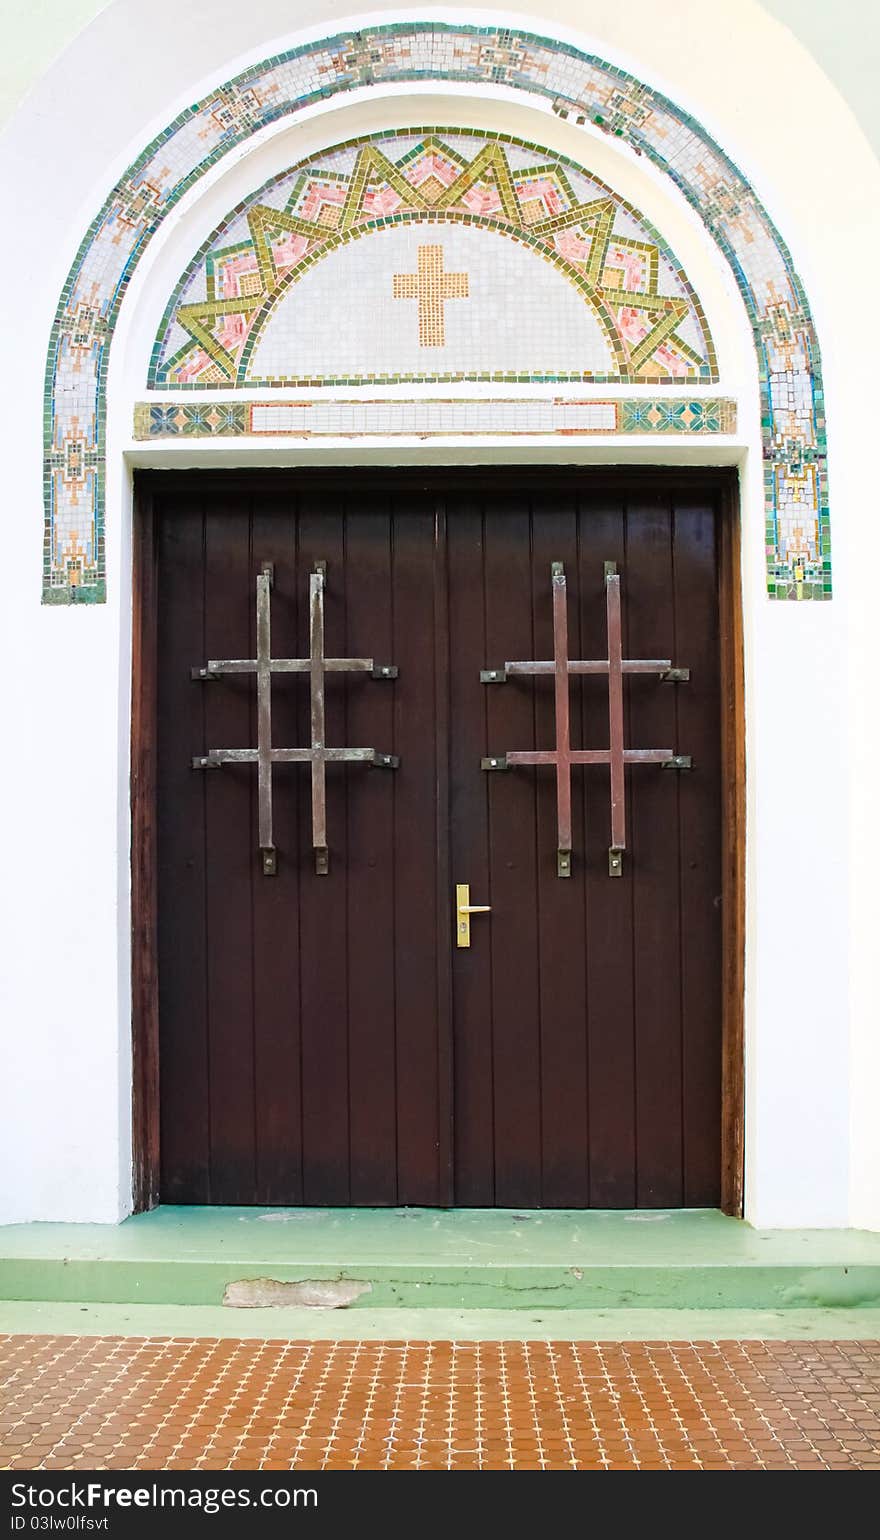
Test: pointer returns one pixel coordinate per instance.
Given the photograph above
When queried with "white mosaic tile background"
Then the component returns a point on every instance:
(436, 417)
(342, 317)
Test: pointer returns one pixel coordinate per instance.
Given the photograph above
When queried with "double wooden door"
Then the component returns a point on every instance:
(322, 1038)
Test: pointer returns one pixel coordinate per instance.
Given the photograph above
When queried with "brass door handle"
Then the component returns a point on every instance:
(463, 911)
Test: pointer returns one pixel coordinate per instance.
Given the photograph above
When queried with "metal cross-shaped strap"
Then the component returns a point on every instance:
(564, 756)
(318, 755)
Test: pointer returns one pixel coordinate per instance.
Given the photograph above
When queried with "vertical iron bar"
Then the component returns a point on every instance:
(319, 743)
(264, 722)
(563, 731)
(615, 724)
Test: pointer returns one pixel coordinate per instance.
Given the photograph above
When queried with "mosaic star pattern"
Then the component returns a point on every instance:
(288, 287)
(576, 86)
(139, 1404)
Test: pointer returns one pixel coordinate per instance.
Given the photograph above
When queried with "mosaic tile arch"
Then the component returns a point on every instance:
(576, 86)
(284, 292)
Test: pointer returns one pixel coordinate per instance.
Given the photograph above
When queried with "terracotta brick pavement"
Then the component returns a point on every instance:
(197, 1404)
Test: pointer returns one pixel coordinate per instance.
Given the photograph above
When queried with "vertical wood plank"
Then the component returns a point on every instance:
(323, 914)
(657, 919)
(422, 1176)
(276, 930)
(185, 1122)
(469, 838)
(370, 874)
(512, 829)
(560, 902)
(443, 884)
(699, 734)
(608, 902)
(232, 857)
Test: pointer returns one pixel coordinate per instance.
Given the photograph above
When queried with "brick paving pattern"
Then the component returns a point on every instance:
(179, 1404)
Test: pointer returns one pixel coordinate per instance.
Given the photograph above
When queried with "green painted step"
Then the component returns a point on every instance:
(466, 1259)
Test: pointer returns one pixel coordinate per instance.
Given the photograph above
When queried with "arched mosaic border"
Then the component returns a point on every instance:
(579, 87)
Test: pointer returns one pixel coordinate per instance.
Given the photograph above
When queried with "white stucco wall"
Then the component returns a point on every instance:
(813, 1138)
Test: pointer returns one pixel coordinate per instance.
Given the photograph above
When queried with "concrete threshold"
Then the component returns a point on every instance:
(365, 1261)
(49, 1318)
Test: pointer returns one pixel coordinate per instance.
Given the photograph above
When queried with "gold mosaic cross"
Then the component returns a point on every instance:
(431, 286)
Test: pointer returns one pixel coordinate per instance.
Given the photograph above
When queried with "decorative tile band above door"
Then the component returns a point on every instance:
(429, 418)
(435, 287)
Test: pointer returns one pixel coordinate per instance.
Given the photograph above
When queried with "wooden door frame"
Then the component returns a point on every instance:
(145, 597)
(733, 852)
(144, 910)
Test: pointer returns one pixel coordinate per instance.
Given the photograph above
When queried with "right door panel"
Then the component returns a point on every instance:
(587, 1011)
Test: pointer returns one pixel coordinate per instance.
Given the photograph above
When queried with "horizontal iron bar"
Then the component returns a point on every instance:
(355, 756)
(645, 756)
(588, 757)
(218, 666)
(216, 757)
(588, 666)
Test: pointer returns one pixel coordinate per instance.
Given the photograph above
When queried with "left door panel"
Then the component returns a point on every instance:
(302, 1027)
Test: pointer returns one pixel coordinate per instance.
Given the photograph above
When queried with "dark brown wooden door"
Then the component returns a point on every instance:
(322, 1040)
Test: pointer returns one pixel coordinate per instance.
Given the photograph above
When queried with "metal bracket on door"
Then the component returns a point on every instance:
(676, 676)
(677, 762)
